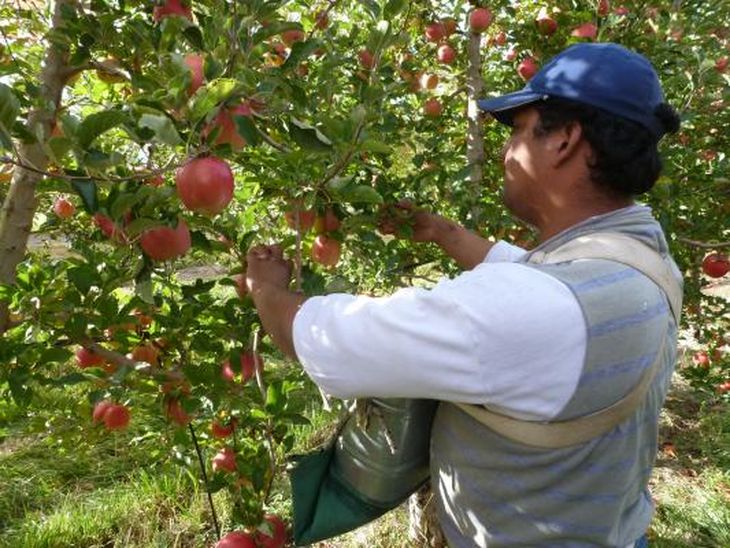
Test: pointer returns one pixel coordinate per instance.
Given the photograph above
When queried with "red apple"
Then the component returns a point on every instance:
(63, 208)
(292, 36)
(450, 25)
(171, 7)
(175, 412)
(510, 55)
(155, 180)
(586, 30)
(723, 387)
(326, 250)
(205, 185)
(116, 417)
(721, 64)
(88, 358)
(100, 409)
(500, 38)
(321, 20)
(147, 353)
(110, 229)
(327, 222)
(236, 539)
(621, 11)
(225, 460)
(429, 81)
(164, 243)
(277, 538)
(247, 367)
(603, 8)
(546, 25)
(716, 265)
(527, 68)
(220, 430)
(445, 54)
(306, 218)
(435, 32)
(228, 132)
(433, 108)
(366, 59)
(701, 359)
(479, 20)
(194, 63)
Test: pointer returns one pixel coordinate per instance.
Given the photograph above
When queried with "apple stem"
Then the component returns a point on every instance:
(205, 480)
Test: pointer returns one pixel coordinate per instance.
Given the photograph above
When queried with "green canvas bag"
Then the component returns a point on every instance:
(369, 467)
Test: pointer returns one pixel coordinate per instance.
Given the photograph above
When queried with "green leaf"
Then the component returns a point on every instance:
(95, 124)
(55, 355)
(372, 7)
(9, 106)
(194, 37)
(96, 159)
(136, 227)
(86, 189)
(393, 8)
(247, 129)
(299, 52)
(275, 398)
(83, 277)
(309, 137)
(362, 194)
(165, 131)
(208, 97)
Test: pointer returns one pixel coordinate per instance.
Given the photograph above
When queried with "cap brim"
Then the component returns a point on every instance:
(502, 108)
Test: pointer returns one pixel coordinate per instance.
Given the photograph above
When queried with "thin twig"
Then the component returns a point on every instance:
(269, 425)
(205, 479)
(705, 245)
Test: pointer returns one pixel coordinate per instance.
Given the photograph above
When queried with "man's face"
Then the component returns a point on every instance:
(525, 161)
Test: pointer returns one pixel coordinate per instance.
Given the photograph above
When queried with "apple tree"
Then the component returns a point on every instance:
(146, 139)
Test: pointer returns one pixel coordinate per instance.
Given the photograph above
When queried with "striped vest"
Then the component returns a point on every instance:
(495, 492)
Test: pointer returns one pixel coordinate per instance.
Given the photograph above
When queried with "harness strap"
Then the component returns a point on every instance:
(557, 434)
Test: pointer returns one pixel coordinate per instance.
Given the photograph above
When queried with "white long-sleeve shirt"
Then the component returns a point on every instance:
(489, 336)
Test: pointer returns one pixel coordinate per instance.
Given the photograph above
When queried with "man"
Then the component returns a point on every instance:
(533, 341)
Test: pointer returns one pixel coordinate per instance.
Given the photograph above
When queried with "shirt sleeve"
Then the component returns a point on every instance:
(501, 334)
(504, 252)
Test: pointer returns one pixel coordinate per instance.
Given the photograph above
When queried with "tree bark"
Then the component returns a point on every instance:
(16, 215)
(475, 130)
(424, 529)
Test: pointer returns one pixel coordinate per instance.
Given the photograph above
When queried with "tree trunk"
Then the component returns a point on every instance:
(16, 215)
(475, 131)
(424, 530)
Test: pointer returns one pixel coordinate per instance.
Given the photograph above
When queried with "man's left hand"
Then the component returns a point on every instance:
(266, 265)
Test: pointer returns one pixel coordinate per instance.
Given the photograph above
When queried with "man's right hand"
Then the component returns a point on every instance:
(403, 219)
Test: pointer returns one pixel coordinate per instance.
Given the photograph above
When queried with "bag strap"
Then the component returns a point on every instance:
(558, 434)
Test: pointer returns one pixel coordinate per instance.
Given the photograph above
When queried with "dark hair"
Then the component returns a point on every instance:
(626, 161)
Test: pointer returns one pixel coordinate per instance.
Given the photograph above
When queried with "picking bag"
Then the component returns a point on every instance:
(369, 467)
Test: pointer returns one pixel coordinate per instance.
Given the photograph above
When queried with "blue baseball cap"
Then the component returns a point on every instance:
(605, 75)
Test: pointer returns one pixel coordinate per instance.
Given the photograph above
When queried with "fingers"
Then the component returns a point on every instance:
(264, 252)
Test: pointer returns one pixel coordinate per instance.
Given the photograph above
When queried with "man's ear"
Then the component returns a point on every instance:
(566, 142)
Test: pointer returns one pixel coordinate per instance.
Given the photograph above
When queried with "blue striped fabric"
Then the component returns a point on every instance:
(495, 492)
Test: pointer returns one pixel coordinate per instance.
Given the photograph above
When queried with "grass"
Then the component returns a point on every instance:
(75, 489)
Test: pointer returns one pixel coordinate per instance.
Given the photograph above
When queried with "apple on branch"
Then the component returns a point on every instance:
(170, 8)
(205, 185)
(164, 243)
(479, 20)
(445, 54)
(63, 208)
(237, 539)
